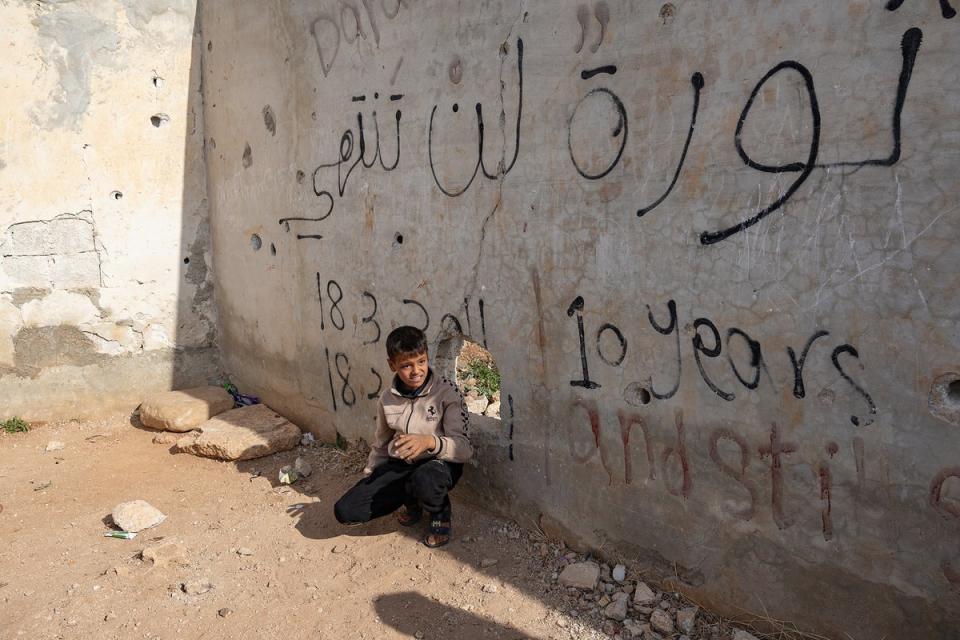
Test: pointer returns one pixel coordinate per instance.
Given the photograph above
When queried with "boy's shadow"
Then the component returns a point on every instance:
(315, 519)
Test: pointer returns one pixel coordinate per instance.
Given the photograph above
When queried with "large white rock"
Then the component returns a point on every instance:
(740, 634)
(136, 515)
(242, 434)
(184, 410)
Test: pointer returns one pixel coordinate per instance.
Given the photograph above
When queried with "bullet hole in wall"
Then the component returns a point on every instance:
(637, 395)
(270, 120)
(116, 195)
(398, 239)
(667, 12)
(256, 242)
(300, 176)
(210, 45)
(273, 249)
(247, 156)
(186, 260)
(159, 119)
(456, 107)
(157, 81)
(944, 399)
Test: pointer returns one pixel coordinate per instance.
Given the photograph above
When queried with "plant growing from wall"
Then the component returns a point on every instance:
(486, 375)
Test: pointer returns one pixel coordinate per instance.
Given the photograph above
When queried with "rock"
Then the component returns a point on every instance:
(476, 404)
(740, 634)
(664, 604)
(492, 410)
(489, 588)
(582, 575)
(661, 621)
(136, 515)
(166, 438)
(619, 573)
(686, 619)
(338, 548)
(643, 594)
(487, 562)
(243, 551)
(604, 601)
(121, 571)
(196, 587)
(307, 439)
(165, 553)
(620, 595)
(223, 613)
(635, 629)
(184, 410)
(616, 610)
(302, 467)
(54, 445)
(609, 627)
(242, 434)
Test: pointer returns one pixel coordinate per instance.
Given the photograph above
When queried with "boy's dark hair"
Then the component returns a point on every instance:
(404, 341)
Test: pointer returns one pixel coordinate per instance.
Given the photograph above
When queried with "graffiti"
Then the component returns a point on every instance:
(708, 342)
(503, 168)
(326, 29)
(601, 12)
(946, 10)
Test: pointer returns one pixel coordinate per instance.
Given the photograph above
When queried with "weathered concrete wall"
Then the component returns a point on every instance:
(105, 288)
(718, 338)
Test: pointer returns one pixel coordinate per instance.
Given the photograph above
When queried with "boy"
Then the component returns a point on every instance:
(419, 448)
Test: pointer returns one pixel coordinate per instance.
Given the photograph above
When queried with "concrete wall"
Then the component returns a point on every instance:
(105, 283)
(728, 345)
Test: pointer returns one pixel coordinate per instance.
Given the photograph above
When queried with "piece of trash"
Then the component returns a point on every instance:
(123, 535)
(95, 437)
(42, 485)
(239, 399)
(55, 445)
(288, 475)
(307, 439)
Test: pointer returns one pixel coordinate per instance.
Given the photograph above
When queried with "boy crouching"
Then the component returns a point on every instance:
(419, 447)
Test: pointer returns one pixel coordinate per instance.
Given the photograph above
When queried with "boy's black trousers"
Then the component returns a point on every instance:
(395, 483)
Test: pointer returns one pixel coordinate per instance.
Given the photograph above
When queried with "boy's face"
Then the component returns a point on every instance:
(410, 368)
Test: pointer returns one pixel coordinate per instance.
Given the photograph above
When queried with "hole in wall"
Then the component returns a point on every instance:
(273, 249)
(157, 81)
(186, 260)
(116, 195)
(944, 399)
(471, 366)
(398, 238)
(300, 176)
(159, 119)
(210, 45)
(256, 242)
(247, 156)
(637, 395)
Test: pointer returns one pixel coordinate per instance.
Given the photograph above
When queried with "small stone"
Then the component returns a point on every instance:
(604, 601)
(643, 594)
(243, 551)
(616, 610)
(307, 439)
(562, 623)
(686, 619)
(489, 588)
(223, 613)
(609, 627)
(196, 587)
(167, 438)
(136, 515)
(492, 410)
(661, 621)
(608, 587)
(619, 573)
(476, 404)
(740, 634)
(302, 467)
(338, 548)
(487, 562)
(664, 604)
(418, 635)
(165, 553)
(605, 573)
(109, 616)
(627, 589)
(582, 575)
(620, 595)
(54, 445)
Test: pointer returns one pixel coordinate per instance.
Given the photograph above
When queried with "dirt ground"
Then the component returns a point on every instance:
(278, 563)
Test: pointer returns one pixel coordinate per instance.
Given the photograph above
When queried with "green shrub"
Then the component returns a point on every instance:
(486, 375)
(15, 425)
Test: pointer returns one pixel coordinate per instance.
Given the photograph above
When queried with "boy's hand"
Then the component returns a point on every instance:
(411, 446)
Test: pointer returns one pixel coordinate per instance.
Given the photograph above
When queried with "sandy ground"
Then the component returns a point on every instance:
(275, 562)
(307, 577)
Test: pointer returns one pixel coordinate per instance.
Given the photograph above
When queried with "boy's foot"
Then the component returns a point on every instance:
(409, 516)
(439, 531)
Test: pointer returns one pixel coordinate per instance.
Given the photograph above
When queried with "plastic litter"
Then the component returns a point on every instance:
(123, 535)
(239, 399)
(288, 475)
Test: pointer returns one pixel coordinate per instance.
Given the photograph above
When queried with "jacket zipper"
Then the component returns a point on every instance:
(406, 428)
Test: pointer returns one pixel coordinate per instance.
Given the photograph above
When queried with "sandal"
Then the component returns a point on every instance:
(438, 534)
(409, 516)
